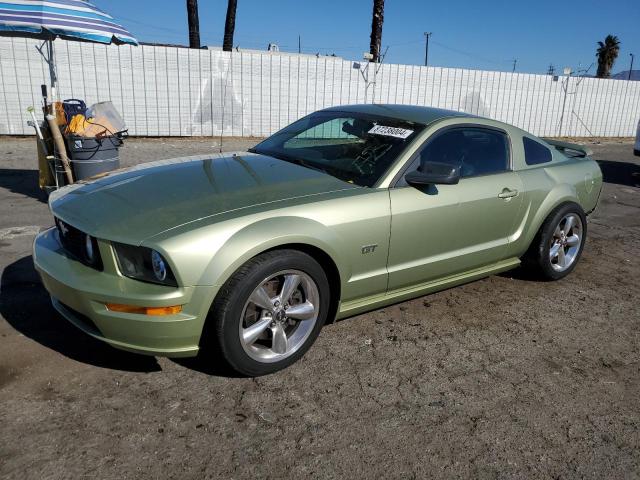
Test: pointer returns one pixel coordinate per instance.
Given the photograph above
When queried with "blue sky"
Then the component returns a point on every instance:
(470, 34)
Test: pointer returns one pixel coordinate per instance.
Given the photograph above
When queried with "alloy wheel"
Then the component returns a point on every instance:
(565, 242)
(279, 316)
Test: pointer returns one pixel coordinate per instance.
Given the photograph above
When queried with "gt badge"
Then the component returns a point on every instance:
(369, 248)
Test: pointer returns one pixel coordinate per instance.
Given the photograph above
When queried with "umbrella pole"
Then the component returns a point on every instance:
(58, 141)
(52, 70)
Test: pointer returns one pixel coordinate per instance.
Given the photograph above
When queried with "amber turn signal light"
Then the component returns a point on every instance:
(117, 307)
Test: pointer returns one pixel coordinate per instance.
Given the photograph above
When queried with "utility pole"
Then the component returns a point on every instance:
(426, 48)
(515, 61)
(194, 23)
(631, 67)
(299, 45)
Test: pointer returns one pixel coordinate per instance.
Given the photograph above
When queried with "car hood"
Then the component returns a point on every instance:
(134, 204)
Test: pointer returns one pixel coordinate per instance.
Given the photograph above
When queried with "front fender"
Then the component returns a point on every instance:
(267, 234)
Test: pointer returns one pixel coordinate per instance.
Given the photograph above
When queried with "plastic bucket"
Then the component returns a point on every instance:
(91, 156)
(83, 148)
(88, 168)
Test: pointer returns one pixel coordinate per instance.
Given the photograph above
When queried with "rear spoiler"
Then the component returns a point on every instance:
(570, 149)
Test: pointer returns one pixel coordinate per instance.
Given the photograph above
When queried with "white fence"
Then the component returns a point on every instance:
(168, 91)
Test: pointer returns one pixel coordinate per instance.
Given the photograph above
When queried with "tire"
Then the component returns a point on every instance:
(255, 339)
(556, 249)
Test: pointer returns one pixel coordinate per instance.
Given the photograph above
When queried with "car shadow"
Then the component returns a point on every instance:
(620, 173)
(26, 306)
(208, 364)
(209, 361)
(524, 274)
(24, 182)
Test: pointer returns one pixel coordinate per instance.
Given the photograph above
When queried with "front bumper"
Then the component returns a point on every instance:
(79, 293)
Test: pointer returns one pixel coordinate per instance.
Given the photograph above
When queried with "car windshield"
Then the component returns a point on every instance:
(353, 147)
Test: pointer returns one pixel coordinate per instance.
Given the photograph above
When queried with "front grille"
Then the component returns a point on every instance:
(72, 240)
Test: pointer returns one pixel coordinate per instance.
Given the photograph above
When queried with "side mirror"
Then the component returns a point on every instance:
(434, 173)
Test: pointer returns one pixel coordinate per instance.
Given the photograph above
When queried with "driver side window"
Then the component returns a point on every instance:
(475, 150)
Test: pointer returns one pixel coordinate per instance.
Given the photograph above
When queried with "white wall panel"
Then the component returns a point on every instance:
(168, 91)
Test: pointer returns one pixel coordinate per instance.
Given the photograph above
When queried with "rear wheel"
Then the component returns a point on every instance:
(558, 245)
(270, 311)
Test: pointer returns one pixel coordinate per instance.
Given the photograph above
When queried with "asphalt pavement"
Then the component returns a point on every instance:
(506, 377)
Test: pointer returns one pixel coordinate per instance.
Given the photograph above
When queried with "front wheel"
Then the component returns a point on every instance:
(558, 245)
(270, 311)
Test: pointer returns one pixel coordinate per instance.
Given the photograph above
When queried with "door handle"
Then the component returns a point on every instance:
(507, 193)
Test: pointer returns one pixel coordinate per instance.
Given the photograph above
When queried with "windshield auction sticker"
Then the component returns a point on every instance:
(390, 131)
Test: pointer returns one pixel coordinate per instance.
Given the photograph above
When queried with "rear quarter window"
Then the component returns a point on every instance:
(535, 153)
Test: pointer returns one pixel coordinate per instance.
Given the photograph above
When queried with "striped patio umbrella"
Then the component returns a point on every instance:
(68, 19)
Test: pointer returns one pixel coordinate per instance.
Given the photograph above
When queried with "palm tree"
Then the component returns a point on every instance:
(229, 26)
(607, 53)
(194, 24)
(376, 29)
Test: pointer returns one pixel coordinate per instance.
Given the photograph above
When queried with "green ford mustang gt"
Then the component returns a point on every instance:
(346, 210)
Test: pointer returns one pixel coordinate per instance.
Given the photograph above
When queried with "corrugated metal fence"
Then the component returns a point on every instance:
(168, 91)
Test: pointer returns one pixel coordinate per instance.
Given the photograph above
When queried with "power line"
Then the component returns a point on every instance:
(470, 55)
(258, 42)
(155, 27)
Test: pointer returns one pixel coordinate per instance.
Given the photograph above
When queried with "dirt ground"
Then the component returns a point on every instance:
(502, 378)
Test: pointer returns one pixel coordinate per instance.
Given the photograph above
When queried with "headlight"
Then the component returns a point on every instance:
(159, 267)
(144, 264)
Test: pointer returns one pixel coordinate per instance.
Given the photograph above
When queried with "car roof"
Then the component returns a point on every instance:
(411, 113)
